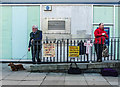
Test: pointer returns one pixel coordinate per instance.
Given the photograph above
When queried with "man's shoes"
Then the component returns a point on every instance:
(34, 62)
(99, 60)
(38, 62)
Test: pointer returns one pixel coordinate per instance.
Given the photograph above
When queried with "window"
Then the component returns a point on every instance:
(56, 25)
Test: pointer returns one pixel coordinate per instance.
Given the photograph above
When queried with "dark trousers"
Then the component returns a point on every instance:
(36, 53)
(99, 49)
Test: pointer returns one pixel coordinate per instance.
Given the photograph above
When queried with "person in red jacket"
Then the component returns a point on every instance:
(100, 36)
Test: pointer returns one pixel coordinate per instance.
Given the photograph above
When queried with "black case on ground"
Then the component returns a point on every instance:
(74, 70)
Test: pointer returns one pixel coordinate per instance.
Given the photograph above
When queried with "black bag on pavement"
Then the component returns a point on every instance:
(74, 70)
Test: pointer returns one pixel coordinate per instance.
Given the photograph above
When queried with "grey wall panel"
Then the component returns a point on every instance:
(81, 17)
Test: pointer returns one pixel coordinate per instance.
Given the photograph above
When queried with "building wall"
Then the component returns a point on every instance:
(117, 24)
(6, 32)
(33, 18)
(80, 19)
(117, 21)
(104, 14)
(19, 31)
(16, 24)
(0, 32)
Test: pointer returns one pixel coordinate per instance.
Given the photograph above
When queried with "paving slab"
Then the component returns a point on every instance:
(0, 83)
(113, 83)
(14, 78)
(7, 82)
(98, 83)
(30, 83)
(75, 82)
(53, 82)
(94, 79)
(74, 79)
(56, 74)
(36, 78)
(55, 78)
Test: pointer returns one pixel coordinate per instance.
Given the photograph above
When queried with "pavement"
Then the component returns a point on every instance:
(9, 77)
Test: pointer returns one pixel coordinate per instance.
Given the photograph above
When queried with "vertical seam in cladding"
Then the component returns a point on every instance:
(11, 33)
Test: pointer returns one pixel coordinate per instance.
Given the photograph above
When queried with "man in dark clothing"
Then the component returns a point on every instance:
(100, 36)
(35, 43)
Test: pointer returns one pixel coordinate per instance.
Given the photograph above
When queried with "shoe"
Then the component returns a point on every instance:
(99, 60)
(34, 62)
(38, 62)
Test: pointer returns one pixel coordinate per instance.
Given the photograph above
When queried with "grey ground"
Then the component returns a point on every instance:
(29, 78)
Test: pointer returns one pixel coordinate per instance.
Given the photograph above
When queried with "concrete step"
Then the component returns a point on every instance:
(85, 67)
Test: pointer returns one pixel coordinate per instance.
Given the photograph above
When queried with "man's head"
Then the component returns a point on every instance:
(34, 28)
(101, 25)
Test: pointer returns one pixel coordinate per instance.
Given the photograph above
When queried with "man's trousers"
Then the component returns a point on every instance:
(99, 49)
(36, 53)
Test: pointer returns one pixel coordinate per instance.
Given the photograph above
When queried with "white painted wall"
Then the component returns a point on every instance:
(80, 15)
